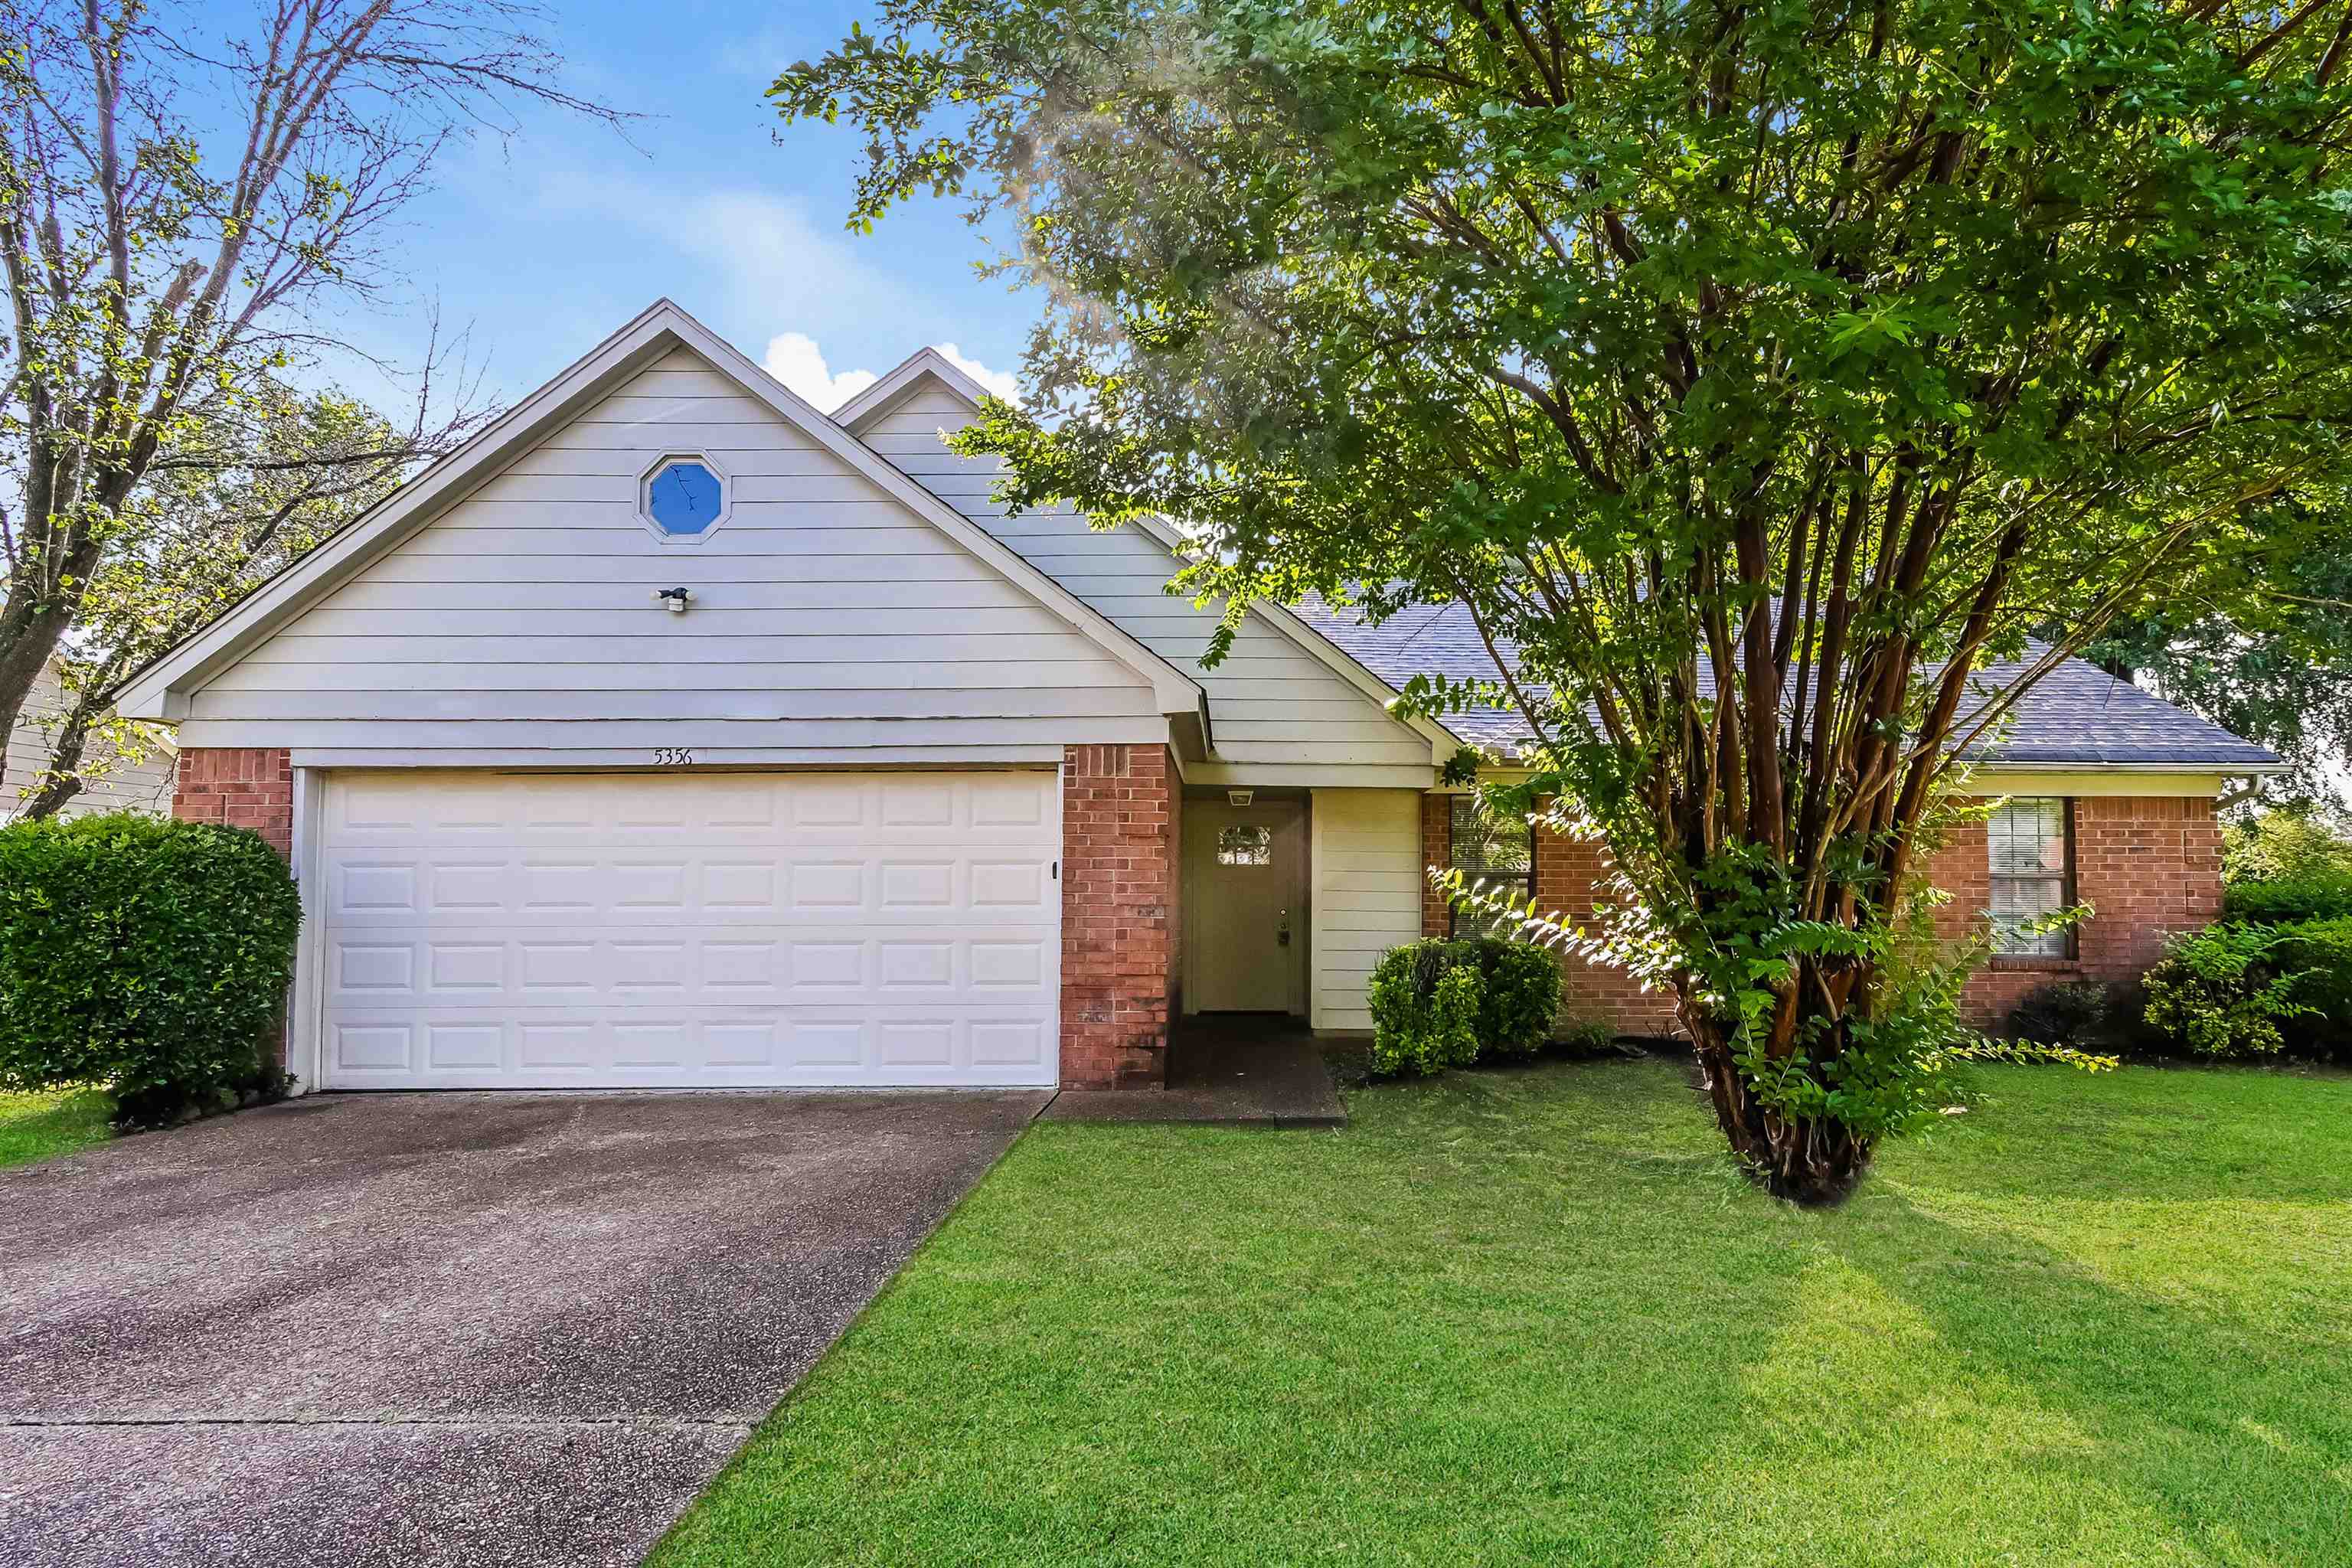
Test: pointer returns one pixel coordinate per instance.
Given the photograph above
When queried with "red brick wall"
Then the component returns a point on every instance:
(1567, 872)
(241, 787)
(1436, 849)
(1119, 916)
(2149, 865)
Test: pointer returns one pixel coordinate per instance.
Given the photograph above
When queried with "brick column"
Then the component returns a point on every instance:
(238, 786)
(1119, 891)
(1436, 849)
(242, 786)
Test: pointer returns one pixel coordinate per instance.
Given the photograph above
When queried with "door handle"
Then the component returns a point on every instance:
(1282, 929)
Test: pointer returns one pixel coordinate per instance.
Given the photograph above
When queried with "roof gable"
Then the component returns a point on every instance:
(162, 690)
(928, 381)
(906, 383)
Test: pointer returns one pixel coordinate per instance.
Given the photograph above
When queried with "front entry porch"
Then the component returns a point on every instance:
(1245, 901)
(1237, 1069)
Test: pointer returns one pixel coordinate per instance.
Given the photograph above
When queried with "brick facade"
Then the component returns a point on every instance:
(1567, 872)
(239, 786)
(2149, 865)
(1120, 925)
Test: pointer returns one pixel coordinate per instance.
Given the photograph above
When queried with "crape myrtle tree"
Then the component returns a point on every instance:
(186, 195)
(1756, 374)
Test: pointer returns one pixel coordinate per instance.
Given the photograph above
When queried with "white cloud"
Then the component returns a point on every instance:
(1000, 382)
(794, 359)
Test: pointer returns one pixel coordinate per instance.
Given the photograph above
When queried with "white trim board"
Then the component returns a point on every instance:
(876, 399)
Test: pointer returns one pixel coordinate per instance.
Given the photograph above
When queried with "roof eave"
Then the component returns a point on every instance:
(2136, 765)
(895, 381)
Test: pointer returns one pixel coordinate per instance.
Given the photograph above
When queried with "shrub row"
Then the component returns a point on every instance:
(1437, 1004)
(147, 955)
(2313, 896)
(2242, 989)
(2232, 990)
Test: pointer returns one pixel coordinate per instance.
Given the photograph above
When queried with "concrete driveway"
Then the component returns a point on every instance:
(441, 1329)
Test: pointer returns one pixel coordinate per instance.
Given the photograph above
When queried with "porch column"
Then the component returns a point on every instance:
(1120, 883)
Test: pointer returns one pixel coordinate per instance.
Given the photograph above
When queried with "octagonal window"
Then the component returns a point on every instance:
(685, 498)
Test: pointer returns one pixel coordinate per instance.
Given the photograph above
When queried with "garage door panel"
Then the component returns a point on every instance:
(559, 1047)
(382, 887)
(702, 941)
(480, 966)
(911, 810)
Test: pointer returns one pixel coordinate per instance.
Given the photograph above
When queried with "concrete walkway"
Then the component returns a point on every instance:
(440, 1328)
(1240, 1070)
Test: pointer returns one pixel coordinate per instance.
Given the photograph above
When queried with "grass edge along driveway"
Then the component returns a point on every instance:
(1533, 1315)
(41, 1126)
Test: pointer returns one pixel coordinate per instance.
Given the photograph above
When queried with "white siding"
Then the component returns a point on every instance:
(142, 785)
(825, 615)
(1270, 701)
(1367, 870)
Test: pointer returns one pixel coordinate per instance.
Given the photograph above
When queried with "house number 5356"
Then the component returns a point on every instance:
(672, 756)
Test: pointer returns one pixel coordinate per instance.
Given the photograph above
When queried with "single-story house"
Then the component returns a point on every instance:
(674, 733)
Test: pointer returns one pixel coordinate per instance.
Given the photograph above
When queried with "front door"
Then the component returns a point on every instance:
(1244, 914)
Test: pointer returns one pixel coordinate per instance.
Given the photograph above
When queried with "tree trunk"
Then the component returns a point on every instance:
(1812, 1162)
(29, 635)
(67, 749)
(58, 788)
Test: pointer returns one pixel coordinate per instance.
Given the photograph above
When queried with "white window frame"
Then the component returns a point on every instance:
(2006, 914)
(646, 499)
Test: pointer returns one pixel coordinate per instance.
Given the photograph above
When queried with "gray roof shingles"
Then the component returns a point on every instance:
(2077, 714)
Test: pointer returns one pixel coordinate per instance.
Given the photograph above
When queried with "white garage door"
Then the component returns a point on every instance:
(488, 931)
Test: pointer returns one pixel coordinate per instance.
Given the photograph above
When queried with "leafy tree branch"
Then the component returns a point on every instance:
(1763, 380)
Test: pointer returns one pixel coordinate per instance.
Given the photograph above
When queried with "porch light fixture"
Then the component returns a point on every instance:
(1239, 796)
(674, 600)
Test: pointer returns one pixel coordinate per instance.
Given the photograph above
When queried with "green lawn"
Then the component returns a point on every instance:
(36, 1126)
(1533, 1317)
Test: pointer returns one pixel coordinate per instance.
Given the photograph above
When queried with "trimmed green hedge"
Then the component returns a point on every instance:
(1424, 999)
(2319, 954)
(1437, 1004)
(147, 955)
(2317, 896)
(1521, 1000)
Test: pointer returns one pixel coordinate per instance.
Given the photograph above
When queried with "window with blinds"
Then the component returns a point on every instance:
(1492, 851)
(2032, 875)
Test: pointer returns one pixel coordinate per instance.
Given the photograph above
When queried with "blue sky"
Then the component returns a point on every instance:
(544, 244)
